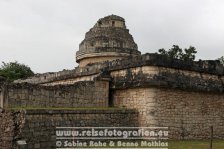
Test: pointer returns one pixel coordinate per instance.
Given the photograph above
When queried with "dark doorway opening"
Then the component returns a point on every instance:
(110, 102)
(113, 23)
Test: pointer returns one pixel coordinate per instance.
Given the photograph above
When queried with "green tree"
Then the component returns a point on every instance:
(14, 70)
(177, 53)
(189, 54)
(221, 59)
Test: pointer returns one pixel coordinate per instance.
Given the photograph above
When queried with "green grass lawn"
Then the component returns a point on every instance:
(196, 144)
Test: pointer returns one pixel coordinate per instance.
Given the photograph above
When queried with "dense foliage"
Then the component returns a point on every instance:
(14, 70)
(177, 53)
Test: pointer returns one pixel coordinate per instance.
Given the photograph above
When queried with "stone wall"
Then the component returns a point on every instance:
(200, 67)
(188, 101)
(81, 94)
(1, 97)
(188, 114)
(148, 76)
(185, 96)
(10, 128)
(39, 126)
(97, 59)
(78, 74)
(6, 130)
(72, 80)
(64, 75)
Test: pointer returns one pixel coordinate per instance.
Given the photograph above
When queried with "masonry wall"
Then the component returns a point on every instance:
(1, 98)
(201, 68)
(96, 59)
(188, 114)
(71, 81)
(186, 101)
(6, 130)
(38, 127)
(10, 128)
(158, 76)
(81, 94)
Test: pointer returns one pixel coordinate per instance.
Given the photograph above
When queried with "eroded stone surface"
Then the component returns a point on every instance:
(188, 115)
(186, 96)
(38, 127)
(108, 38)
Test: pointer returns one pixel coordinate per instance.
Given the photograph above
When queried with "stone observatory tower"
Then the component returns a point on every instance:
(108, 40)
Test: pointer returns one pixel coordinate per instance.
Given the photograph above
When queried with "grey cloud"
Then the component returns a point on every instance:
(45, 34)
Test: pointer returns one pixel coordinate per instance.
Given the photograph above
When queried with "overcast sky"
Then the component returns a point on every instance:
(45, 34)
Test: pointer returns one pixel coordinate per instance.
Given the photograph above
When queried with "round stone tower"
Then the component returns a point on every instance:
(109, 39)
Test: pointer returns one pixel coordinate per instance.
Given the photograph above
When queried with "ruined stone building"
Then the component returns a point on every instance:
(114, 85)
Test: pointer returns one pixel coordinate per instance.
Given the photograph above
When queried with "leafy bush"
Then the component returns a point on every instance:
(14, 70)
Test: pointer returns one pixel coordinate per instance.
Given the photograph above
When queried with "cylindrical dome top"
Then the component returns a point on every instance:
(107, 40)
